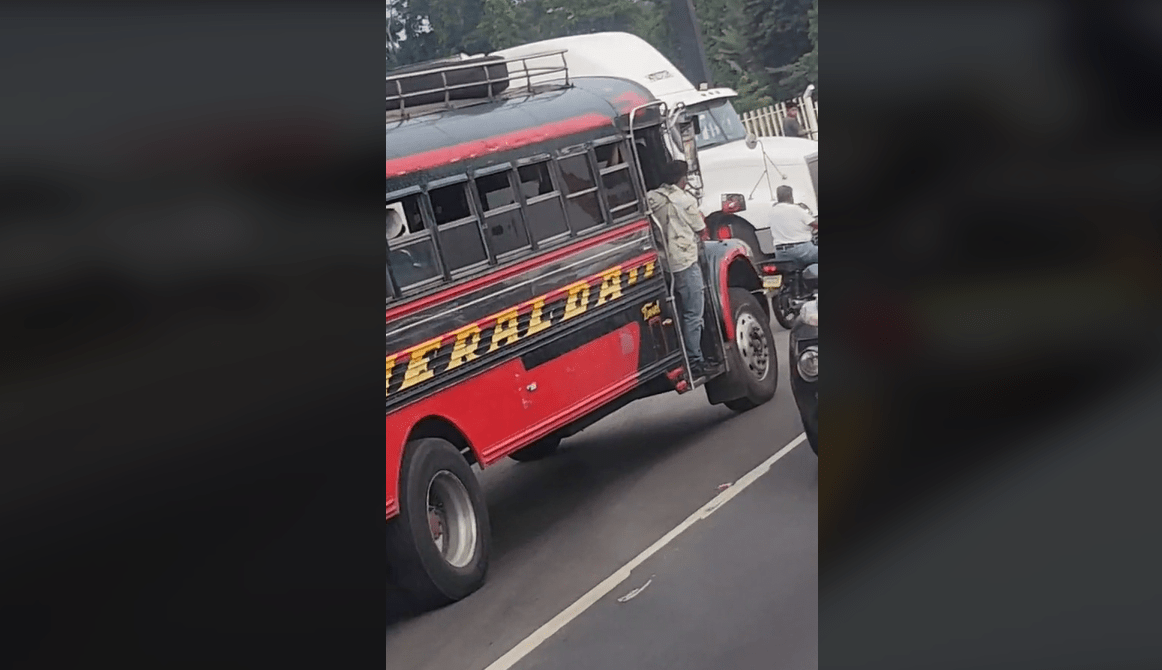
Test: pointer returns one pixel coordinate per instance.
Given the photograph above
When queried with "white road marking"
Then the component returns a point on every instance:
(538, 637)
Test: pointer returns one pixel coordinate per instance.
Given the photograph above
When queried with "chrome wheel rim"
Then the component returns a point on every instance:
(753, 347)
(451, 519)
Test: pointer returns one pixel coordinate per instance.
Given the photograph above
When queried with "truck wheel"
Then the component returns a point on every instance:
(756, 358)
(542, 448)
(439, 543)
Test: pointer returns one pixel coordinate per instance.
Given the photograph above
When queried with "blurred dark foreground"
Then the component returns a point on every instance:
(190, 300)
(994, 272)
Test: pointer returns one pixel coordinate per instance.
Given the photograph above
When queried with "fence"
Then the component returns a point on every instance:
(768, 121)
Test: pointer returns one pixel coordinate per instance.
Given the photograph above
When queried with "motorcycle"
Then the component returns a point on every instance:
(799, 284)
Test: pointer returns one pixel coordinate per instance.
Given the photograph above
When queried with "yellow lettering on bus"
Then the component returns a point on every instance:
(610, 285)
(632, 276)
(538, 321)
(649, 270)
(505, 330)
(390, 365)
(578, 300)
(418, 369)
(467, 342)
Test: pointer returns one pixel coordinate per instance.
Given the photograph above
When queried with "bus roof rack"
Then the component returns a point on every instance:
(454, 82)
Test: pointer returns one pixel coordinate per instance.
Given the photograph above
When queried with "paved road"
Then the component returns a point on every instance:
(738, 589)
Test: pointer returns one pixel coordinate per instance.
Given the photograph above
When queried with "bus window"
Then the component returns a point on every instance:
(583, 207)
(411, 253)
(546, 215)
(460, 241)
(620, 194)
(502, 217)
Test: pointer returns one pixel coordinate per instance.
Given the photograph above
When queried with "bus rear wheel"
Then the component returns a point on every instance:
(439, 544)
(755, 359)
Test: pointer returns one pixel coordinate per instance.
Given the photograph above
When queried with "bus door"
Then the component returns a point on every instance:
(677, 140)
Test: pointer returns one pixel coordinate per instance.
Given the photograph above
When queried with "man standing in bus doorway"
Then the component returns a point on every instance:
(682, 226)
(791, 229)
(791, 125)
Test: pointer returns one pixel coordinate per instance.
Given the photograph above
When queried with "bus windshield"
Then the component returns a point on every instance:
(719, 124)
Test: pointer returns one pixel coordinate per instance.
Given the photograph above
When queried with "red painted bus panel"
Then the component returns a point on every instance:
(508, 407)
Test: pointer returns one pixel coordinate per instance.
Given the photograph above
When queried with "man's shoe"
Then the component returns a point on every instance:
(712, 367)
(697, 370)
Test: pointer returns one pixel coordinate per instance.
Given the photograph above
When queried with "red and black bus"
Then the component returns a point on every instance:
(525, 295)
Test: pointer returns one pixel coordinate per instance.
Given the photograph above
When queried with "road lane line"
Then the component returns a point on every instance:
(527, 645)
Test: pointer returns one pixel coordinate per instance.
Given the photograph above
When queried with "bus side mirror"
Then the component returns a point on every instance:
(751, 140)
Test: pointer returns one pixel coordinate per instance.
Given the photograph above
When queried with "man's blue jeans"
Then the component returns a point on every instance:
(804, 252)
(688, 287)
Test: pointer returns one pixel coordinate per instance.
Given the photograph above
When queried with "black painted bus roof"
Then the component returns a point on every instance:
(493, 127)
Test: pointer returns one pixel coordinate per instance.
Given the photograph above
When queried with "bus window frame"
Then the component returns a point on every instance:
(514, 184)
(557, 193)
(586, 149)
(464, 180)
(396, 291)
(620, 213)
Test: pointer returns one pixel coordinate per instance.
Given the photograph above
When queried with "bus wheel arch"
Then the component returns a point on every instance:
(440, 427)
(740, 274)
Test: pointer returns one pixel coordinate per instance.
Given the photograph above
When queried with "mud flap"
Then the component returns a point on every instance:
(728, 386)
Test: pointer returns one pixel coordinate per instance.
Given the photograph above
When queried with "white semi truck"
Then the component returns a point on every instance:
(739, 173)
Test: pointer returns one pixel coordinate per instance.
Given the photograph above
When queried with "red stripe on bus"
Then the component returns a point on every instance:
(512, 270)
(514, 140)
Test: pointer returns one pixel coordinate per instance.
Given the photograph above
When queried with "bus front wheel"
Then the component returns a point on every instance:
(439, 544)
(755, 360)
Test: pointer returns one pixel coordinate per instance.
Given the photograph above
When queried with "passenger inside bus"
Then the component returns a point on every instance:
(411, 256)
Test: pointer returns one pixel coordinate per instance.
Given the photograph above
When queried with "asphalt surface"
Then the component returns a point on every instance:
(738, 589)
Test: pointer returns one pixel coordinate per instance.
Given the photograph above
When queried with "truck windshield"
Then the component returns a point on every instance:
(719, 124)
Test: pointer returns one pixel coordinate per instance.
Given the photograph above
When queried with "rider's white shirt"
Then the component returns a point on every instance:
(790, 224)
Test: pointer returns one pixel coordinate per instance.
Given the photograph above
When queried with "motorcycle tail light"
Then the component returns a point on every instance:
(770, 269)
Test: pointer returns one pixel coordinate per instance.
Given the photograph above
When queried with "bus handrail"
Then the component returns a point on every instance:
(523, 71)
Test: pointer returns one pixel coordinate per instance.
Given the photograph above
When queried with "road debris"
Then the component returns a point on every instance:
(636, 592)
(723, 487)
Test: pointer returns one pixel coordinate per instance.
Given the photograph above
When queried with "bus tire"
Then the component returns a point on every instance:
(755, 359)
(439, 544)
(542, 448)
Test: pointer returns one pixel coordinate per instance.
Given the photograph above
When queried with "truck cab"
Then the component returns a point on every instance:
(739, 174)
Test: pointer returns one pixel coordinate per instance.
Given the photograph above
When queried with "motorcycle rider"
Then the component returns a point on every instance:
(792, 229)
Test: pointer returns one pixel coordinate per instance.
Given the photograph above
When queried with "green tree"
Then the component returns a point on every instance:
(434, 29)
(805, 70)
(748, 40)
(503, 24)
